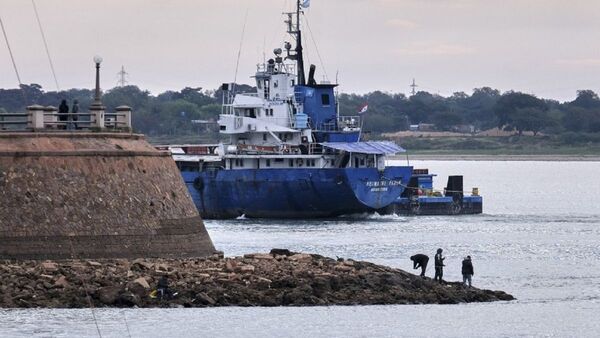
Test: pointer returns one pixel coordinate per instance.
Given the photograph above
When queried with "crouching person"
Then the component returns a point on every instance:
(420, 261)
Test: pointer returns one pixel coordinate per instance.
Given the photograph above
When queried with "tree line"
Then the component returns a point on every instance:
(171, 112)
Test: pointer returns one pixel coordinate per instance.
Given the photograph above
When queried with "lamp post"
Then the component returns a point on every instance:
(96, 108)
(97, 99)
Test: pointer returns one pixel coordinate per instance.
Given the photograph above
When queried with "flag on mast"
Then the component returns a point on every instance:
(305, 3)
(363, 109)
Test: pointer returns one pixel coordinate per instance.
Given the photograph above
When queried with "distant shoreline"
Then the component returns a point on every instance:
(493, 157)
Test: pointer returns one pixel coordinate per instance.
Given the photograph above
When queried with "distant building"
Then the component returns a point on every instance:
(464, 128)
(422, 127)
(426, 127)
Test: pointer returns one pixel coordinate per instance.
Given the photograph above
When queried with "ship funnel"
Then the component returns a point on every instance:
(311, 75)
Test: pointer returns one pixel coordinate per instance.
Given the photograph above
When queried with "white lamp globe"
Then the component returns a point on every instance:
(97, 59)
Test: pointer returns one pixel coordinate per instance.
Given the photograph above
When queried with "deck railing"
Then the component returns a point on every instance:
(40, 118)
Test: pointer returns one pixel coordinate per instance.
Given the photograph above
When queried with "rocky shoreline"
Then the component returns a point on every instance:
(279, 278)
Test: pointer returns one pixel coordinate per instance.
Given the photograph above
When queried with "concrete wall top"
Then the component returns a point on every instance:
(75, 141)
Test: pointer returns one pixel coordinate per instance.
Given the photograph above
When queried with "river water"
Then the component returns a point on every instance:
(538, 239)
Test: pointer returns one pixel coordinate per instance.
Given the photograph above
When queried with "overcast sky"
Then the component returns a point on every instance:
(550, 48)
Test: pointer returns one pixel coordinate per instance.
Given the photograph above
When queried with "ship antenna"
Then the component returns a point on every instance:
(301, 77)
(237, 64)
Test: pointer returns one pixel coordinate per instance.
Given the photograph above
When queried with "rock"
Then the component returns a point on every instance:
(141, 264)
(263, 257)
(130, 273)
(281, 252)
(93, 263)
(142, 282)
(49, 266)
(108, 295)
(205, 299)
(343, 268)
(161, 267)
(300, 257)
(137, 289)
(61, 282)
(230, 265)
(129, 299)
(246, 268)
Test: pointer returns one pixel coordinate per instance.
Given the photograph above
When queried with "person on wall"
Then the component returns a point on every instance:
(63, 114)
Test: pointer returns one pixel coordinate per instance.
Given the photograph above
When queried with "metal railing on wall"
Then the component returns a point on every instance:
(40, 118)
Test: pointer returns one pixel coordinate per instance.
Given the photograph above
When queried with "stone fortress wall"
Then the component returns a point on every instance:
(93, 195)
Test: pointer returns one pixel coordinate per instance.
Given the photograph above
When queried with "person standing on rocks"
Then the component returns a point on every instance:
(439, 265)
(467, 270)
(420, 260)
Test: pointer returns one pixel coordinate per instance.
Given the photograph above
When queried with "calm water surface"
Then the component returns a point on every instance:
(539, 239)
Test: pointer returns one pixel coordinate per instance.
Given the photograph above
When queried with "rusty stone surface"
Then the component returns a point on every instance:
(94, 195)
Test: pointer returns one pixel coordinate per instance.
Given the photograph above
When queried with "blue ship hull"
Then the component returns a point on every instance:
(296, 193)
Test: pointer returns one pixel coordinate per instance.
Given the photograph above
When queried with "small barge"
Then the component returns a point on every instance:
(420, 198)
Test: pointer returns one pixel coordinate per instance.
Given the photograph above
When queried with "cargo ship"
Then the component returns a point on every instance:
(291, 154)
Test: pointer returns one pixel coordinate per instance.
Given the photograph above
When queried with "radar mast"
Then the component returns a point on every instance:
(296, 32)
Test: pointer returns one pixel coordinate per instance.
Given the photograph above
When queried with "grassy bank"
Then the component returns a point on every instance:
(562, 145)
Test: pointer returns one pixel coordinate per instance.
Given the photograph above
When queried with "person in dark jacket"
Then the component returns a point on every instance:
(467, 270)
(74, 111)
(420, 260)
(439, 265)
(63, 113)
(163, 288)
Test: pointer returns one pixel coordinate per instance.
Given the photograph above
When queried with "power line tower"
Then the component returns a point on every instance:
(122, 74)
(414, 87)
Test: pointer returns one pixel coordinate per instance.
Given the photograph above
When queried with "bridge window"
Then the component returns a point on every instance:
(264, 136)
(266, 89)
(268, 162)
(325, 99)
